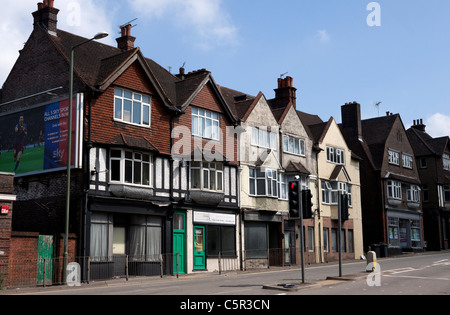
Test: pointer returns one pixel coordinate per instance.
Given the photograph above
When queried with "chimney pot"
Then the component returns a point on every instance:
(46, 15)
(286, 93)
(126, 41)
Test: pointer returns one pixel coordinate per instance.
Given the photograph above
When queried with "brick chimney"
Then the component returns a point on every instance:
(46, 16)
(419, 125)
(351, 120)
(286, 93)
(126, 41)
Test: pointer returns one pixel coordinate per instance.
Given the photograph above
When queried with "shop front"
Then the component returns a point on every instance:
(205, 240)
(404, 229)
(127, 239)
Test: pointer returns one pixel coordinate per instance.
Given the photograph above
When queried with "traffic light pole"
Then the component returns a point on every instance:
(339, 232)
(302, 245)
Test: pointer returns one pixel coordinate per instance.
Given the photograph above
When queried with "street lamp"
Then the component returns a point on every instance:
(69, 150)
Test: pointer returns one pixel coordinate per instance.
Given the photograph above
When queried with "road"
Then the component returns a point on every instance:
(413, 274)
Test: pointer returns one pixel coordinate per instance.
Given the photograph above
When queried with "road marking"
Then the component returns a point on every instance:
(443, 262)
(400, 270)
(417, 277)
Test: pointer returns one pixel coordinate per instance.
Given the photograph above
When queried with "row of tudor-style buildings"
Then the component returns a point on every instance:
(178, 164)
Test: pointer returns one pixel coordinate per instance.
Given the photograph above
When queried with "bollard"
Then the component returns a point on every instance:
(371, 262)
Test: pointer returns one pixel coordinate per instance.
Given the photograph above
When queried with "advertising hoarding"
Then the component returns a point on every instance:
(35, 140)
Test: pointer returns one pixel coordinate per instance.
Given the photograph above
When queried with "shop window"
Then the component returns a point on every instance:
(256, 243)
(221, 239)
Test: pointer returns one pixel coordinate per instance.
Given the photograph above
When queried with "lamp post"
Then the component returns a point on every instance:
(69, 151)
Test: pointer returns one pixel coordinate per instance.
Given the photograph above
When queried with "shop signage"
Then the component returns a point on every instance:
(214, 218)
(5, 210)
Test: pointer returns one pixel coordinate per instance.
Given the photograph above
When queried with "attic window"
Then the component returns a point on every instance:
(205, 124)
(131, 107)
(446, 159)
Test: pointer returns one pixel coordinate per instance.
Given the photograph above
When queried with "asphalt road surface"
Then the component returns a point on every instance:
(415, 274)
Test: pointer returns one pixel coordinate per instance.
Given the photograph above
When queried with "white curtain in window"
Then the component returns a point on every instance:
(100, 226)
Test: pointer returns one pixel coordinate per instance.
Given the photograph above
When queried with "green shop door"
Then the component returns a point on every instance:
(45, 261)
(179, 241)
(199, 248)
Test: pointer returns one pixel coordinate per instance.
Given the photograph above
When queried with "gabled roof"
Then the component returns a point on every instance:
(297, 168)
(318, 131)
(98, 65)
(309, 120)
(423, 144)
(337, 172)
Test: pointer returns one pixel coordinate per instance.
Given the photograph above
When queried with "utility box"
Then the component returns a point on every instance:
(371, 262)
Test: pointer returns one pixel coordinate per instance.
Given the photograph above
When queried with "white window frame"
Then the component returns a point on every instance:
(413, 193)
(394, 189)
(446, 162)
(211, 176)
(261, 137)
(271, 183)
(293, 145)
(129, 161)
(407, 160)
(205, 123)
(283, 187)
(394, 157)
(136, 101)
(335, 155)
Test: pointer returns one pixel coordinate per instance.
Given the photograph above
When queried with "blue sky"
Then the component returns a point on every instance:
(327, 46)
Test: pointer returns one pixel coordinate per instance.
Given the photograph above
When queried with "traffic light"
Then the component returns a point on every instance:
(307, 204)
(294, 195)
(344, 207)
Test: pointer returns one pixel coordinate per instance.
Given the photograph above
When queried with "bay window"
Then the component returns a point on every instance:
(413, 193)
(267, 183)
(130, 167)
(331, 191)
(207, 176)
(394, 189)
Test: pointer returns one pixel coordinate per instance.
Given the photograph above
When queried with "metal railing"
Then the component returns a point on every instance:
(48, 272)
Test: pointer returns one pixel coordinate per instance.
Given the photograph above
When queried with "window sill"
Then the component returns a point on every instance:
(206, 196)
(413, 204)
(128, 191)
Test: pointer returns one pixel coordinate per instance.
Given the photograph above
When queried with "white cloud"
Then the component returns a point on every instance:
(438, 125)
(206, 22)
(81, 17)
(323, 36)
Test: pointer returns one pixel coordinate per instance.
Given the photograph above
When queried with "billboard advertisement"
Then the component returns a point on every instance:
(35, 140)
